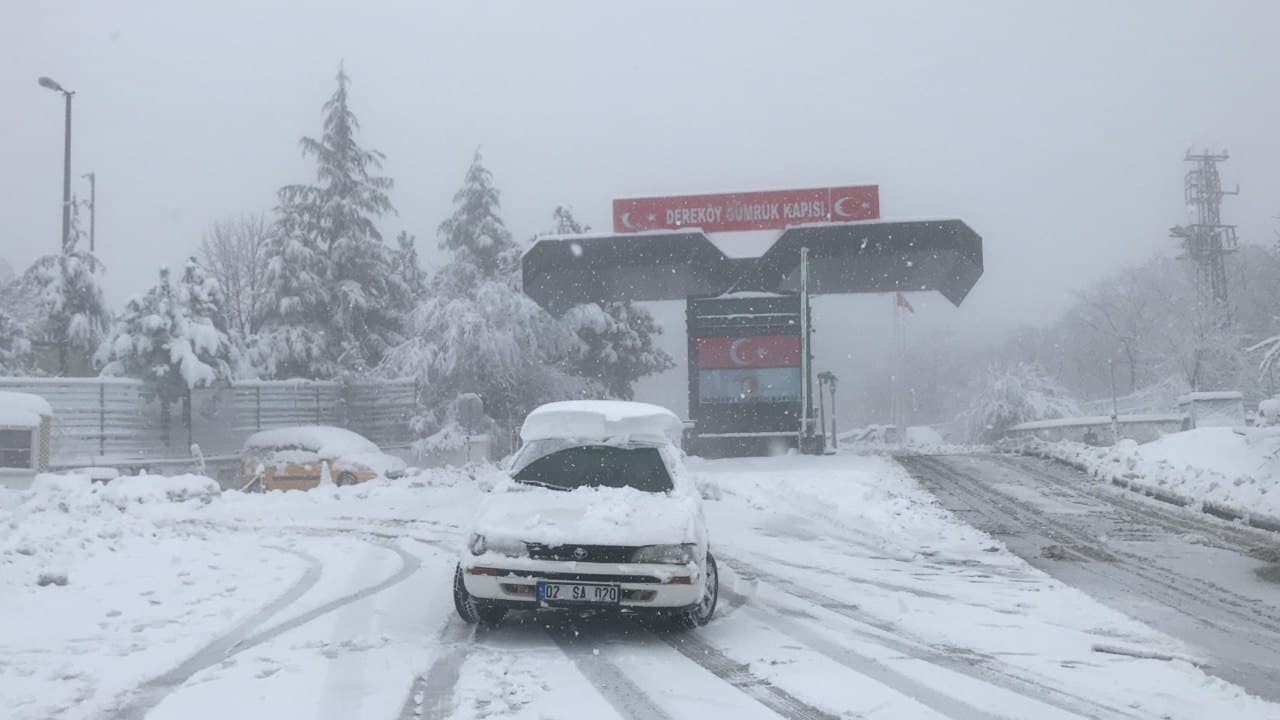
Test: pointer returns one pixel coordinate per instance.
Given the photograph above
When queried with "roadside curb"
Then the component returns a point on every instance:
(1259, 521)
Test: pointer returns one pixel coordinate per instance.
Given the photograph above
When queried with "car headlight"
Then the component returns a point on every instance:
(666, 554)
(480, 545)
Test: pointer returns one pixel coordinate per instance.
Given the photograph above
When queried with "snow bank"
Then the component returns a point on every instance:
(22, 409)
(66, 520)
(599, 420)
(1237, 472)
(324, 440)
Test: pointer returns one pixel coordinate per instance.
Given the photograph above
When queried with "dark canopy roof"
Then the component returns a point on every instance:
(858, 257)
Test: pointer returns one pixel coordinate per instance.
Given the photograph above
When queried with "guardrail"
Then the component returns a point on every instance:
(1097, 429)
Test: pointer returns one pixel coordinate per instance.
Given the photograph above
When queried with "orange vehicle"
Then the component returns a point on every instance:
(295, 459)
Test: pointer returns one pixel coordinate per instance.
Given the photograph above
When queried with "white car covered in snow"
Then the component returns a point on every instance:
(599, 514)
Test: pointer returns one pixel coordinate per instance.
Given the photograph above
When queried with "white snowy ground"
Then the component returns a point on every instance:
(847, 592)
(1237, 470)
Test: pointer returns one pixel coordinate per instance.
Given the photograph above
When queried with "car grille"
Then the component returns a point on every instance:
(579, 577)
(582, 553)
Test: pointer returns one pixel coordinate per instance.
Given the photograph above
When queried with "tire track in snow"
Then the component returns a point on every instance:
(239, 639)
(984, 669)
(432, 695)
(620, 691)
(739, 675)
(409, 564)
(156, 689)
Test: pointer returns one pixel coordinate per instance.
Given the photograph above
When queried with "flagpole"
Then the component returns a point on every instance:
(893, 370)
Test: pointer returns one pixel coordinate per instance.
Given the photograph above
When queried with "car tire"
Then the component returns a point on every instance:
(347, 478)
(700, 614)
(472, 610)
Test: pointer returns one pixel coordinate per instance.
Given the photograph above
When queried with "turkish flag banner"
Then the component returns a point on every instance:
(760, 351)
(729, 212)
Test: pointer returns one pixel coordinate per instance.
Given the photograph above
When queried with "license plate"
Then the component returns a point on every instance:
(550, 592)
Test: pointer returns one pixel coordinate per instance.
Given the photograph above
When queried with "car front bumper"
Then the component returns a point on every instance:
(514, 582)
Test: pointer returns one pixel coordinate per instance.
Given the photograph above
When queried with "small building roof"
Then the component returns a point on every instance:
(23, 410)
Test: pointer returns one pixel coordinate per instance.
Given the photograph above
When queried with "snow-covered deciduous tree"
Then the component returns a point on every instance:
(1012, 394)
(330, 275)
(71, 313)
(618, 337)
(15, 349)
(234, 252)
(475, 233)
(168, 337)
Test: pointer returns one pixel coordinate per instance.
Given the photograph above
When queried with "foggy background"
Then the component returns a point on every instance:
(1056, 130)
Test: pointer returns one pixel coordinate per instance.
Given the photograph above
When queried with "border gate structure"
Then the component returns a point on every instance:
(747, 318)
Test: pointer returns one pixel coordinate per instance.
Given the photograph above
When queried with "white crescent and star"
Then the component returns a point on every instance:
(839, 207)
(738, 359)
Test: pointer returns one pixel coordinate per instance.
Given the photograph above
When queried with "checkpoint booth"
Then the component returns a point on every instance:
(748, 320)
(26, 423)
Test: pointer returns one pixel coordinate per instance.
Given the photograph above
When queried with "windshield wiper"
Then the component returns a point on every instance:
(546, 485)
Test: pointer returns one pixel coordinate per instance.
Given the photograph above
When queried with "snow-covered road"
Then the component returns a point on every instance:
(1211, 584)
(848, 591)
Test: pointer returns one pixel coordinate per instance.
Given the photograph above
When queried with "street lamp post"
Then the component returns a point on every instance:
(66, 159)
(93, 206)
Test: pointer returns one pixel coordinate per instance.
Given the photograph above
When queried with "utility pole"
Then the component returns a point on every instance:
(1207, 242)
(66, 160)
(93, 207)
(1115, 404)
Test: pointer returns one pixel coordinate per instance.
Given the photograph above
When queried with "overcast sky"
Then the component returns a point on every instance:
(1056, 130)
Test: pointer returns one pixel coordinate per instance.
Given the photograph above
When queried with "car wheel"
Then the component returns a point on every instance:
(470, 609)
(700, 614)
(347, 478)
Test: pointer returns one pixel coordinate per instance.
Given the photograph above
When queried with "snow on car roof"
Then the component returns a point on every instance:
(321, 439)
(22, 409)
(599, 420)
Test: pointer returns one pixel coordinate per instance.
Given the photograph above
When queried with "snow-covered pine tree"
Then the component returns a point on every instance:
(474, 331)
(408, 268)
(475, 233)
(203, 345)
(618, 337)
(333, 293)
(71, 313)
(167, 337)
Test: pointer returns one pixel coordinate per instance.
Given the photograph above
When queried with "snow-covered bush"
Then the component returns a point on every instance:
(1013, 394)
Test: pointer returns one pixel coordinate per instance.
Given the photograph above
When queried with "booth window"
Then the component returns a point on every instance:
(15, 448)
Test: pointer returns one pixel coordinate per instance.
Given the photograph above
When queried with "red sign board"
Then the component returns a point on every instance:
(771, 210)
(761, 351)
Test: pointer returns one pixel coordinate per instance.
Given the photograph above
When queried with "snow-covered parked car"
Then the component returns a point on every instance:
(295, 458)
(598, 513)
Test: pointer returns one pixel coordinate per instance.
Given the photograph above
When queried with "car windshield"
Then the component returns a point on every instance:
(610, 466)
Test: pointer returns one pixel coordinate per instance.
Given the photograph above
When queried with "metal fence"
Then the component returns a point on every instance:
(113, 421)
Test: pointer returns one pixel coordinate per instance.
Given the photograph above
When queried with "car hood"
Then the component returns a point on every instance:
(590, 516)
